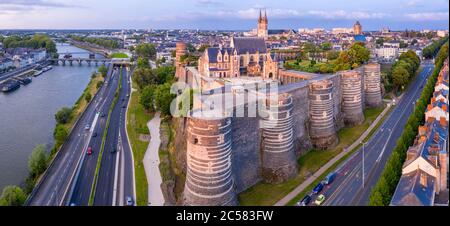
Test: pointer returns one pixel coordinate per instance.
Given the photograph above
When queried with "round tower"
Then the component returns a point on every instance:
(351, 85)
(321, 115)
(278, 158)
(372, 85)
(180, 51)
(209, 180)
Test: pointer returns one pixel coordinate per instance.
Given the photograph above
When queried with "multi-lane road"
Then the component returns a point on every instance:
(69, 179)
(356, 177)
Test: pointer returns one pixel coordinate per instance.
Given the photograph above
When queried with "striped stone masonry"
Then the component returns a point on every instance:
(352, 107)
(209, 180)
(372, 85)
(321, 122)
(278, 158)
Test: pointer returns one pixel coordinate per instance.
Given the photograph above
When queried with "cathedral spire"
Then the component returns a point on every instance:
(265, 15)
(260, 16)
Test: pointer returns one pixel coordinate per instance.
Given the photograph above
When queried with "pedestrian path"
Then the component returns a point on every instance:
(151, 163)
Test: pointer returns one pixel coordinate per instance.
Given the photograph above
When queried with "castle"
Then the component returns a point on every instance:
(230, 148)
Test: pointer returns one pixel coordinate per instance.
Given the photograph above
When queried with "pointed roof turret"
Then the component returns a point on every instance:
(260, 16)
(265, 15)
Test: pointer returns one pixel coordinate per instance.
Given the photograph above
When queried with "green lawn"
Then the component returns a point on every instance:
(305, 65)
(118, 55)
(137, 120)
(268, 194)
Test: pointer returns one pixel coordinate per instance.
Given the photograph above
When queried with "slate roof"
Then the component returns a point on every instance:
(360, 38)
(249, 44)
(410, 191)
(213, 51)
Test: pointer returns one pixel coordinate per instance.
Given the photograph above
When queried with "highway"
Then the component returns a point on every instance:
(81, 188)
(55, 185)
(356, 177)
(115, 180)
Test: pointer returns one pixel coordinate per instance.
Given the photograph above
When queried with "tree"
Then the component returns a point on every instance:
(60, 134)
(37, 162)
(143, 62)
(332, 55)
(146, 50)
(326, 46)
(163, 98)
(88, 97)
(63, 115)
(203, 48)
(144, 77)
(103, 70)
(12, 196)
(147, 97)
(99, 84)
(400, 76)
(190, 48)
(358, 54)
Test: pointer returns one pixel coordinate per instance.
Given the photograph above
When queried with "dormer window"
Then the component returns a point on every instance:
(219, 58)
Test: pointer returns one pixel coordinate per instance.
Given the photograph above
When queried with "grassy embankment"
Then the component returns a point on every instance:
(264, 194)
(137, 119)
(118, 55)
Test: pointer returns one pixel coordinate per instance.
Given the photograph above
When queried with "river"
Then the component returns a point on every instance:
(27, 114)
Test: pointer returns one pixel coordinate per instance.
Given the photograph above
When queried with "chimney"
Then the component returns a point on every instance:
(423, 179)
(444, 107)
(443, 170)
(422, 130)
(429, 107)
(443, 122)
(433, 99)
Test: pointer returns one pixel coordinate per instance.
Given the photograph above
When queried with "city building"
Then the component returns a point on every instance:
(424, 177)
(357, 28)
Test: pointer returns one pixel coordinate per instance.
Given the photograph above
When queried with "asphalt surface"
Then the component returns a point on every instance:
(115, 180)
(55, 186)
(353, 183)
(84, 179)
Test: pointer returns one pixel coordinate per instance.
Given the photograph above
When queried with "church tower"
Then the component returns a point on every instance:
(262, 25)
(357, 28)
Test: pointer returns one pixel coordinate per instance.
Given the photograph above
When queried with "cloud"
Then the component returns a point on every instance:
(427, 16)
(15, 6)
(341, 14)
(208, 3)
(414, 3)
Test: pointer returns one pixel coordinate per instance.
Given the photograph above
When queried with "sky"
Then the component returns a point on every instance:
(222, 14)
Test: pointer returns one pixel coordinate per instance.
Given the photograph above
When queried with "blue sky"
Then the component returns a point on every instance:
(222, 14)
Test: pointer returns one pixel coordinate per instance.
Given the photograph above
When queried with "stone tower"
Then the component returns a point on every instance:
(263, 25)
(278, 158)
(322, 125)
(352, 105)
(181, 50)
(209, 179)
(372, 86)
(357, 28)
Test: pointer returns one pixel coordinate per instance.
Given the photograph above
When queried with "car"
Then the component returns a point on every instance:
(305, 201)
(124, 106)
(94, 134)
(320, 200)
(129, 201)
(102, 115)
(89, 151)
(318, 188)
(87, 127)
(113, 150)
(72, 204)
(128, 95)
(329, 179)
(123, 99)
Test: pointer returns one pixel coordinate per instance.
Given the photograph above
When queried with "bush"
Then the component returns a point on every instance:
(37, 162)
(99, 84)
(63, 115)
(12, 196)
(88, 97)
(60, 134)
